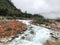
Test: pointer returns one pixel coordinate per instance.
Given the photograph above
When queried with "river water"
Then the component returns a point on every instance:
(34, 35)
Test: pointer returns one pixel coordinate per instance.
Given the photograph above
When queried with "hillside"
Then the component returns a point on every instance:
(8, 9)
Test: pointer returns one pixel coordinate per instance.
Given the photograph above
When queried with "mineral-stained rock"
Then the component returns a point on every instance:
(11, 28)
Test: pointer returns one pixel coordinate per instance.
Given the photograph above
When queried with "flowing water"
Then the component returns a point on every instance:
(34, 35)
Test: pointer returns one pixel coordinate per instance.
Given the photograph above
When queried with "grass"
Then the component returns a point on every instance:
(57, 43)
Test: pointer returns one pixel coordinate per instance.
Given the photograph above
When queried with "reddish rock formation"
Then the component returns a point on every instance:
(11, 28)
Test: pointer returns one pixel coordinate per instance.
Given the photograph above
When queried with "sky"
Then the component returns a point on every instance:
(47, 8)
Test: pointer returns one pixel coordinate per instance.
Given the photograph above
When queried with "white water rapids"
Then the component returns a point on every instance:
(39, 37)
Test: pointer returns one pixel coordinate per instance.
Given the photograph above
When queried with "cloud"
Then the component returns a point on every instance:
(47, 8)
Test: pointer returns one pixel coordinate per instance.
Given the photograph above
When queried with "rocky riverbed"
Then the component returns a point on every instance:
(55, 35)
(54, 25)
(34, 35)
(9, 30)
(55, 38)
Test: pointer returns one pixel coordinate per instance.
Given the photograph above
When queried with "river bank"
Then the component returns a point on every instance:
(35, 34)
(32, 36)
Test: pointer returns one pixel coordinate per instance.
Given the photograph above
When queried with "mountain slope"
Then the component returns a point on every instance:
(7, 8)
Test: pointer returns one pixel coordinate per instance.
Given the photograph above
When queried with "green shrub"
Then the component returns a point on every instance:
(58, 19)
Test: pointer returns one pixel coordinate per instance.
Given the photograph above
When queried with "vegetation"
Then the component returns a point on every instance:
(8, 10)
(58, 19)
(58, 43)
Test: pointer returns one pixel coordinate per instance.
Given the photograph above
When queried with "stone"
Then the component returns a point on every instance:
(32, 32)
(23, 37)
(49, 42)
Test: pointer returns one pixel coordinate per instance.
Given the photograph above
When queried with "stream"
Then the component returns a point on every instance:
(34, 35)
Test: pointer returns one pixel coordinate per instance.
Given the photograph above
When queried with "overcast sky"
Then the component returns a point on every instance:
(47, 8)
